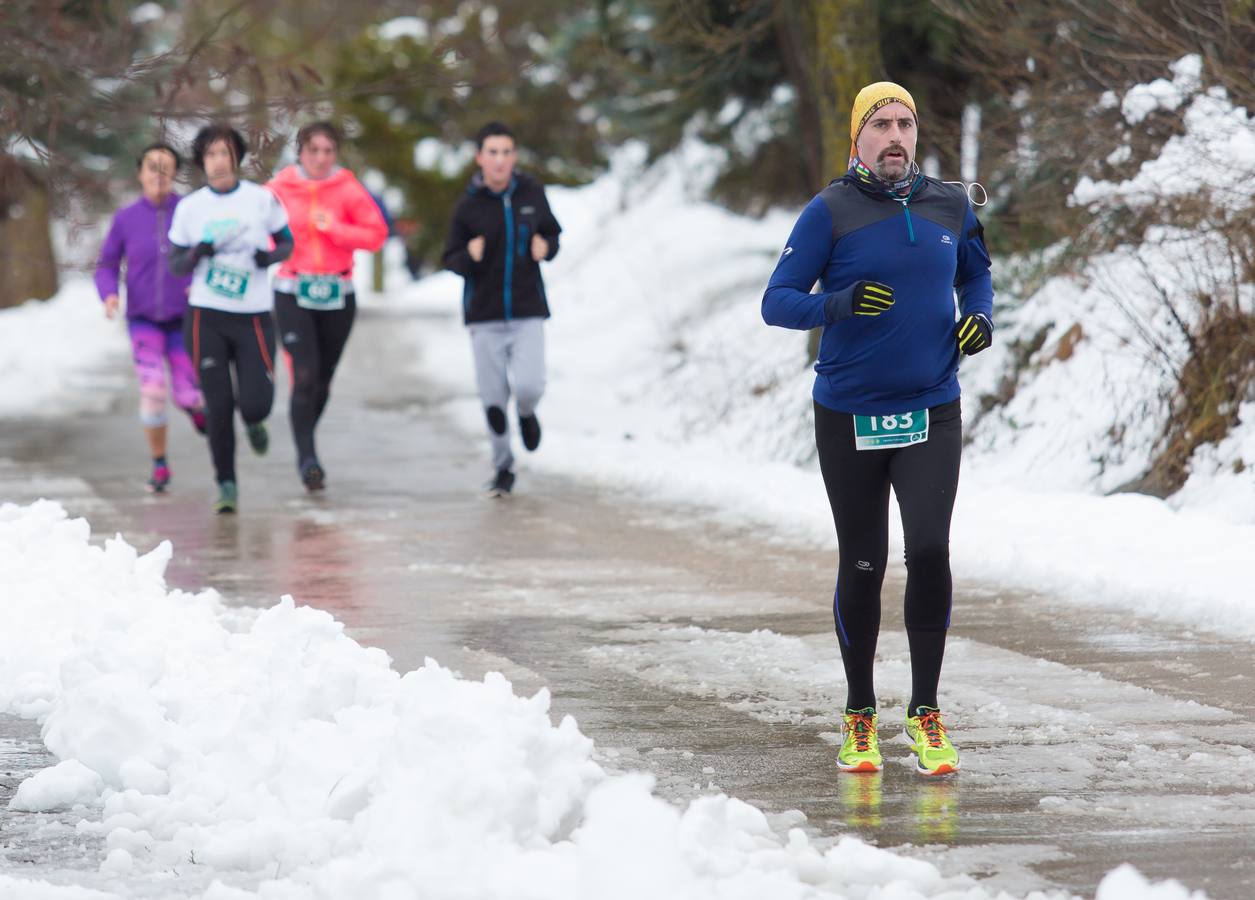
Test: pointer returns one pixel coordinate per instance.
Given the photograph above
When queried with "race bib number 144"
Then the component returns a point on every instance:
(883, 432)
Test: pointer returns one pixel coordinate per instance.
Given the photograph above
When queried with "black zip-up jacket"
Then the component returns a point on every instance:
(506, 283)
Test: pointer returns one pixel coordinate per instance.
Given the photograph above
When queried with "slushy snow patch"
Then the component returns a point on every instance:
(1126, 883)
(66, 784)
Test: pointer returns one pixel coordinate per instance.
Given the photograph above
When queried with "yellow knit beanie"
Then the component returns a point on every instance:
(872, 98)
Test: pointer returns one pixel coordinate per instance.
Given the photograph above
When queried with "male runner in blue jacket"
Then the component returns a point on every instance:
(890, 249)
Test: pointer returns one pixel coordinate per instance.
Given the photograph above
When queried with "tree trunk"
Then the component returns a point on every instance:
(794, 29)
(30, 271)
(847, 58)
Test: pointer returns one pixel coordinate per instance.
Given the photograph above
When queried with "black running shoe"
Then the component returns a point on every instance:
(258, 438)
(529, 429)
(501, 484)
(312, 476)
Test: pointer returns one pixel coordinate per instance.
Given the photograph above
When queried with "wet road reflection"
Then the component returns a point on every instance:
(861, 798)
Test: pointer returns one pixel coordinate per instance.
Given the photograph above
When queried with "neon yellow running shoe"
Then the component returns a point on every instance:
(860, 752)
(934, 754)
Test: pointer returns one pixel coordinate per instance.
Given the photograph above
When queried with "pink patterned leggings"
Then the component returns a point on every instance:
(153, 346)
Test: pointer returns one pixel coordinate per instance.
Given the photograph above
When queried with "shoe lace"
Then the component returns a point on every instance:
(934, 730)
(860, 726)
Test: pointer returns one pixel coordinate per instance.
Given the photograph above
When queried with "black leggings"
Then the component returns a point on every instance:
(924, 477)
(314, 341)
(216, 340)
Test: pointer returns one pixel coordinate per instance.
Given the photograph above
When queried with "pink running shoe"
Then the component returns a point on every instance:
(160, 478)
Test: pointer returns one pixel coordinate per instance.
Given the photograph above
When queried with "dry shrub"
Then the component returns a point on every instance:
(1218, 376)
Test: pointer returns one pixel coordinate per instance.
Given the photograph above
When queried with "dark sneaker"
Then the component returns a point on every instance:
(529, 430)
(199, 422)
(312, 476)
(258, 438)
(501, 484)
(160, 478)
(228, 498)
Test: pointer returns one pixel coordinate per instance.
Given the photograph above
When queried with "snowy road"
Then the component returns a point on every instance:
(701, 653)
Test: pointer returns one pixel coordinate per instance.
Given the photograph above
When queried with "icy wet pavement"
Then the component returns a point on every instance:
(697, 651)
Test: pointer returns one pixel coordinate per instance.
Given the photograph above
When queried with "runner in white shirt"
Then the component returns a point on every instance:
(223, 234)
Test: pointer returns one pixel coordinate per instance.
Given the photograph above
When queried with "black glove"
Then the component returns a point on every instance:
(261, 258)
(974, 333)
(204, 249)
(864, 298)
(871, 298)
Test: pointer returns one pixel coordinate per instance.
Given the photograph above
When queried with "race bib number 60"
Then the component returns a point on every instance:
(883, 432)
(319, 292)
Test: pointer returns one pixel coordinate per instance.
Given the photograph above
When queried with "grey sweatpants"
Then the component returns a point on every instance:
(509, 354)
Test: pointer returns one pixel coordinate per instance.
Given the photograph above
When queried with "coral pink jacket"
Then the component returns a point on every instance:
(357, 223)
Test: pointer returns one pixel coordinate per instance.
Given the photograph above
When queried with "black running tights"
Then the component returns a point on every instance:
(924, 478)
(218, 342)
(314, 341)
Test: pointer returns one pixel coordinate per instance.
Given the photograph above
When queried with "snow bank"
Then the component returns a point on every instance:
(264, 753)
(1126, 882)
(51, 351)
(1215, 151)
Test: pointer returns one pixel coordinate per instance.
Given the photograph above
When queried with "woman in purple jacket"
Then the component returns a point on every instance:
(155, 303)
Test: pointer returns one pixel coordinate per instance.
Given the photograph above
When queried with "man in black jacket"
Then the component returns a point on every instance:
(501, 231)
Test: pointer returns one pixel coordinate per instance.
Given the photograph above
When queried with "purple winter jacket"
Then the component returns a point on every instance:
(140, 232)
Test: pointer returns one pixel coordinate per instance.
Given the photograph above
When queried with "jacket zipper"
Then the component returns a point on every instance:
(161, 252)
(508, 296)
(314, 236)
(906, 208)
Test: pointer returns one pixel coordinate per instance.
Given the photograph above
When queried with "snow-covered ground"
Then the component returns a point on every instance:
(231, 753)
(663, 379)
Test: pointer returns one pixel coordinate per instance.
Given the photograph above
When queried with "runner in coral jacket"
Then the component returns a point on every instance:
(331, 215)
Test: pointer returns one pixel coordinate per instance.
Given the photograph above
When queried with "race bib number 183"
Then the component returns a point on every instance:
(883, 432)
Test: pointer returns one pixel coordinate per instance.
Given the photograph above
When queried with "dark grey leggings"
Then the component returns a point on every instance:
(314, 341)
(924, 478)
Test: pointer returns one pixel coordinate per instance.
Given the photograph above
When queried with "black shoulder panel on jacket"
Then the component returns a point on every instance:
(852, 208)
(945, 204)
